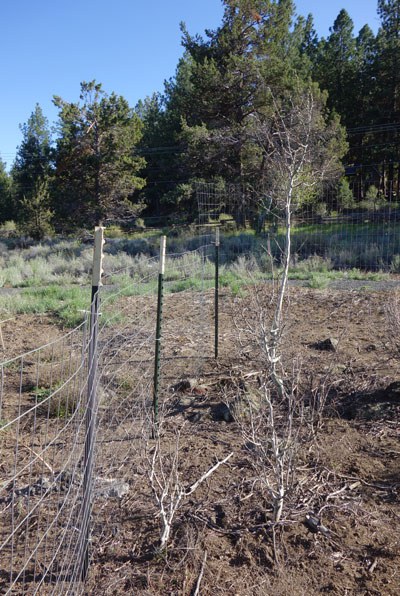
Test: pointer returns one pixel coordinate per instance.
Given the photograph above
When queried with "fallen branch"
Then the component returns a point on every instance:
(207, 474)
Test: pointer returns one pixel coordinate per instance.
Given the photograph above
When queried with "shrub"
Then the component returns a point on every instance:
(370, 257)
(318, 281)
(314, 263)
(138, 246)
(320, 209)
(395, 264)
(139, 224)
(113, 232)
(372, 193)
(8, 229)
(245, 266)
(344, 195)
(227, 222)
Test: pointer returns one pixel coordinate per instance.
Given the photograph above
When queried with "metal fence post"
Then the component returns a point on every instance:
(158, 334)
(92, 403)
(216, 294)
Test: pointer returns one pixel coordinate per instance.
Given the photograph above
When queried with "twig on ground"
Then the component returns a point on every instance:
(203, 565)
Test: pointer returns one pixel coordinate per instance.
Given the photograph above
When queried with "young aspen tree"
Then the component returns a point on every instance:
(300, 150)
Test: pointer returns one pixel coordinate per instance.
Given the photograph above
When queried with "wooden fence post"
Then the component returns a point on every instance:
(92, 400)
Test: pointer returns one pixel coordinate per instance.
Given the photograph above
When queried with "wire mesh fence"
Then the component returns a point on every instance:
(46, 418)
(43, 403)
(56, 498)
(343, 233)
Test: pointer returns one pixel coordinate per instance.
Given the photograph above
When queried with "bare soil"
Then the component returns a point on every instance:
(339, 347)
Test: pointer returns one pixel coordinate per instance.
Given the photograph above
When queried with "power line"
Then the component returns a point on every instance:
(390, 127)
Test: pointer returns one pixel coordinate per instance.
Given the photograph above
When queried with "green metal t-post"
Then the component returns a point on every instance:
(216, 295)
(158, 334)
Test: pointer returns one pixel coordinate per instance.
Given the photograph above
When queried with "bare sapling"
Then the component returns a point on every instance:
(167, 485)
(272, 429)
(272, 435)
(298, 147)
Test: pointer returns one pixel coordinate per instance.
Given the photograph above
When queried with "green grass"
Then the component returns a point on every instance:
(66, 304)
(54, 277)
(41, 393)
(322, 278)
(195, 284)
(355, 274)
(125, 285)
(59, 405)
(139, 288)
(234, 282)
(333, 228)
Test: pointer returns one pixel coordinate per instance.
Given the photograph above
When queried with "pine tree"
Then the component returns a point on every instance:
(33, 163)
(36, 214)
(96, 162)
(223, 85)
(6, 212)
(160, 147)
(335, 67)
(305, 45)
(387, 96)
(388, 70)
(230, 73)
(362, 112)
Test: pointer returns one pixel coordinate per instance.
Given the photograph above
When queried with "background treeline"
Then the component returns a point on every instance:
(106, 161)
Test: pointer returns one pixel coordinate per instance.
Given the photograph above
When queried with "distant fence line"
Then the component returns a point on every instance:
(365, 235)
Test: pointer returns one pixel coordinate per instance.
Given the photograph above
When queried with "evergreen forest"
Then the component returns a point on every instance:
(216, 121)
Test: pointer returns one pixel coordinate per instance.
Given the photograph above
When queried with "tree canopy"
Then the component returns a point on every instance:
(108, 161)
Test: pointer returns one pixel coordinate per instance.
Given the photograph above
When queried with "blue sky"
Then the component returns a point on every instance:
(48, 47)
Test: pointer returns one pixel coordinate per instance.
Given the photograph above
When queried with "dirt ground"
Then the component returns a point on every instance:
(341, 357)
